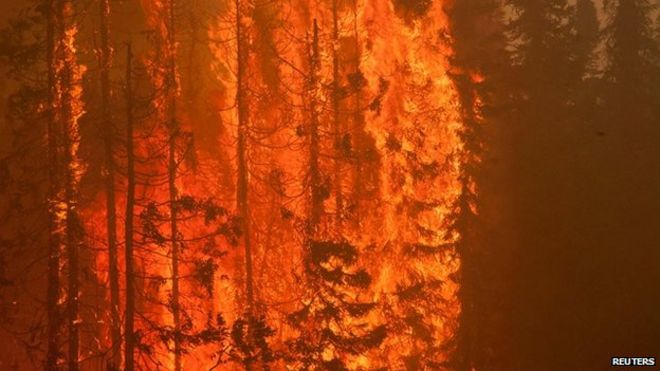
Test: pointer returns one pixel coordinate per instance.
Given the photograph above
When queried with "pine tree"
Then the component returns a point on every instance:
(626, 178)
(32, 207)
(358, 145)
(172, 168)
(338, 126)
(108, 129)
(129, 272)
(69, 108)
(52, 296)
(331, 323)
(551, 43)
(476, 28)
(243, 131)
(633, 62)
(213, 222)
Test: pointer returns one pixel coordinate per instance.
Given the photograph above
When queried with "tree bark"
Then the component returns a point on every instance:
(336, 124)
(53, 291)
(242, 189)
(129, 334)
(115, 326)
(358, 186)
(316, 206)
(69, 137)
(172, 173)
(242, 168)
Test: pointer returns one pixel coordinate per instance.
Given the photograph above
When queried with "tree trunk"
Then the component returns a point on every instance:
(69, 137)
(242, 171)
(72, 253)
(54, 240)
(242, 189)
(172, 173)
(467, 335)
(129, 335)
(336, 124)
(316, 206)
(115, 329)
(356, 129)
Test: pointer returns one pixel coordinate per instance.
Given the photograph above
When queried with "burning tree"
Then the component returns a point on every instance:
(281, 179)
(332, 326)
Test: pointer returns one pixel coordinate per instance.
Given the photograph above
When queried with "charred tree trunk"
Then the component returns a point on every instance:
(336, 124)
(477, 29)
(241, 154)
(356, 128)
(242, 189)
(172, 173)
(113, 269)
(72, 249)
(316, 206)
(129, 334)
(69, 133)
(53, 291)
(467, 352)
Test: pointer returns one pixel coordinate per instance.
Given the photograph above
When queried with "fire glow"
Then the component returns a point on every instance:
(318, 208)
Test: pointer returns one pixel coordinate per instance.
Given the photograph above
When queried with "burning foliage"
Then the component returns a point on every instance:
(277, 184)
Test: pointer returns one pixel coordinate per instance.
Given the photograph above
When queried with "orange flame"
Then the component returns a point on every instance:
(412, 116)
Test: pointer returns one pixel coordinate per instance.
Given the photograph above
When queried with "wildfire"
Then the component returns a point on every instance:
(369, 82)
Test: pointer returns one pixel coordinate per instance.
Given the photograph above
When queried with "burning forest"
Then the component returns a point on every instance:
(297, 185)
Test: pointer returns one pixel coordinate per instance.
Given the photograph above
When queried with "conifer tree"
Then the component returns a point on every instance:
(331, 324)
(107, 127)
(129, 254)
(31, 218)
(476, 27)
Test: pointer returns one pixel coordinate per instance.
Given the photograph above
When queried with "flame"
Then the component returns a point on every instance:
(411, 123)
(420, 112)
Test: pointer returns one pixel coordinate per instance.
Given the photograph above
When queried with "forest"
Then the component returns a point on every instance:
(329, 184)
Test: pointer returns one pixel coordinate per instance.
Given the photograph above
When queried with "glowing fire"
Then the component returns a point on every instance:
(400, 145)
